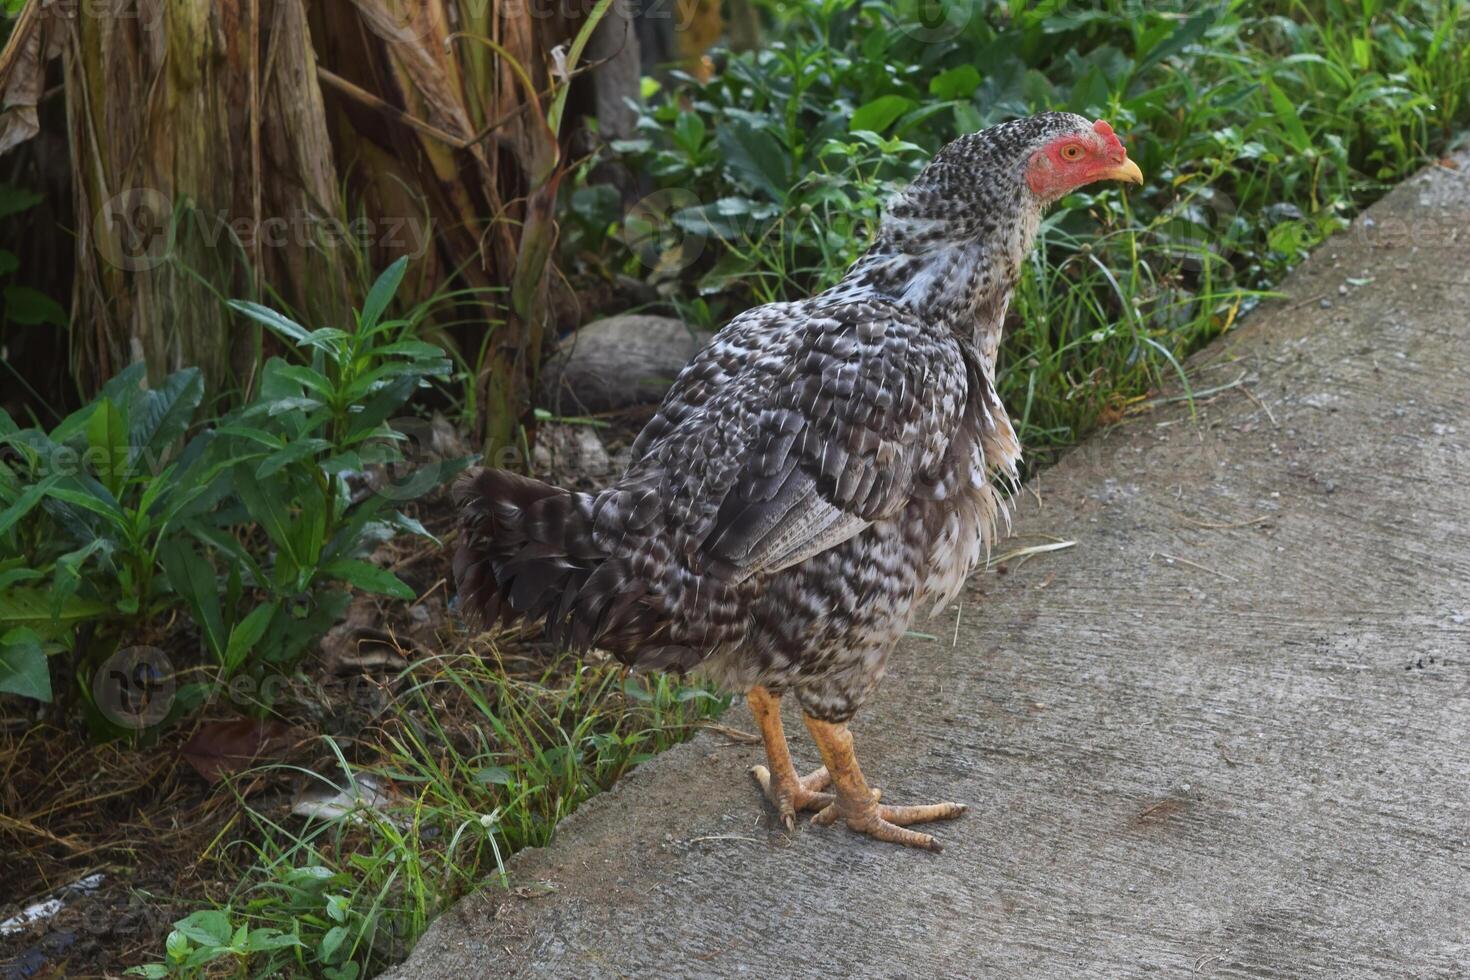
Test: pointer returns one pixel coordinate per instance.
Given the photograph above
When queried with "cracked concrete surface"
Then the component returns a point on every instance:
(1225, 735)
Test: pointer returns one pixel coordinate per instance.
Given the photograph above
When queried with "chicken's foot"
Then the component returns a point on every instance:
(858, 805)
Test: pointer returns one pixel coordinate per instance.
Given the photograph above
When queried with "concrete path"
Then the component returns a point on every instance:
(1225, 735)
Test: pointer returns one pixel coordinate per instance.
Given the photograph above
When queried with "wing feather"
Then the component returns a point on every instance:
(798, 428)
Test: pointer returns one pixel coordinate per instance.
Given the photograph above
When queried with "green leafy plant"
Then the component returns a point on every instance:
(208, 937)
(123, 519)
(87, 508)
(292, 447)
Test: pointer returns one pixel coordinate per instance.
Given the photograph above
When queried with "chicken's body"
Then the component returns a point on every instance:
(820, 472)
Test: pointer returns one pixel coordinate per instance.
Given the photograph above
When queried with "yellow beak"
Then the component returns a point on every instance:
(1127, 170)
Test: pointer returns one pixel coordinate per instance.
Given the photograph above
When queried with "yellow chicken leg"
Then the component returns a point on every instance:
(788, 792)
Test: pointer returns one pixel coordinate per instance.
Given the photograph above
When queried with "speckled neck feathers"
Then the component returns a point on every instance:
(950, 245)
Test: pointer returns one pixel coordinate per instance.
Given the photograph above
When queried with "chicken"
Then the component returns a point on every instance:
(817, 474)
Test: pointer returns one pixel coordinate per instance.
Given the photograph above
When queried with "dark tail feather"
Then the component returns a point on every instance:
(527, 551)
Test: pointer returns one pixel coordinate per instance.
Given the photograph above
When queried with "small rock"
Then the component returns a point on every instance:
(617, 362)
(571, 454)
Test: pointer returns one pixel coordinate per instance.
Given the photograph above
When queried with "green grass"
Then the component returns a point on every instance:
(476, 761)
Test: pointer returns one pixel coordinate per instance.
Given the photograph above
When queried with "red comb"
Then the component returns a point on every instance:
(1104, 130)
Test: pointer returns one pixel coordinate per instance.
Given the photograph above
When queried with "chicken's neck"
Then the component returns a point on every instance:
(959, 278)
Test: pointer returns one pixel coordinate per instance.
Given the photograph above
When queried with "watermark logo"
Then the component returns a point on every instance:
(933, 21)
(420, 462)
(654, 231)
(138, 229)
(134, 688)
(134, 230)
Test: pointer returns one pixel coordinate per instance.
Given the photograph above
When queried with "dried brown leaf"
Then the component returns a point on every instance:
(223, 748)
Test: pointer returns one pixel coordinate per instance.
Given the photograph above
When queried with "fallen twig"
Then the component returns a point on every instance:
(1195, 564)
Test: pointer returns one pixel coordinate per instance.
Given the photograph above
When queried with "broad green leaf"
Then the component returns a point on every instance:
(159, 485)
(411, 348)
(1184, 35)
(13, 199)
(253, 434)
(313, 380)
(108, 446)
(331, 943)
(126, 385)
(281, 406)
(350, 531)
(32, 607)
(1287, 115)
(247, 634)
(403, 522)
(689, 131)
(270, 511)
(756, 158)
(379, 409)
(226, 544)
(31, 306)
(879, 114)
(67, 576)
(27, 501)
(328, 340)
(380, 295)
(288, 636)
(292, 453)
(956, 83)
(11, 576)
(270, 319)
(207, 927)
(102, 504)
(493, 776)
(23, 667)
(192, 577)
(369, 578)
(162, 416)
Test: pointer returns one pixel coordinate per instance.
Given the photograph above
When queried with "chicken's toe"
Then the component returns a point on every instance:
(790, 794)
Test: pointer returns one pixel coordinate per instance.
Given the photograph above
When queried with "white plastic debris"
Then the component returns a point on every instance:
(47, 908)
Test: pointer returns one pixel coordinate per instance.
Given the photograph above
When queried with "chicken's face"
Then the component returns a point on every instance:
(1078, 158)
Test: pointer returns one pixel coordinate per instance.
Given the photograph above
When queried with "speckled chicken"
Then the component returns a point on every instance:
(817, 474)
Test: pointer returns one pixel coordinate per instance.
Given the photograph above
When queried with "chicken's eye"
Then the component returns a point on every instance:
(1071, 152)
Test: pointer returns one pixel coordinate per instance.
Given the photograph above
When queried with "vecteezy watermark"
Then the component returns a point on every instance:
(134, 229)
(413, 458)
(657, 230)
(148, 13)
(138, 688)
(931, 21)
(134, 688)
(138, 229)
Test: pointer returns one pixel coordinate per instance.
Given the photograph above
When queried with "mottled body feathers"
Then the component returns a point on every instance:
(818, 473)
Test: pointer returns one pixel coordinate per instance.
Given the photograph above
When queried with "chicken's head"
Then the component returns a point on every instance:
(989, 187)
(1076, 158)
